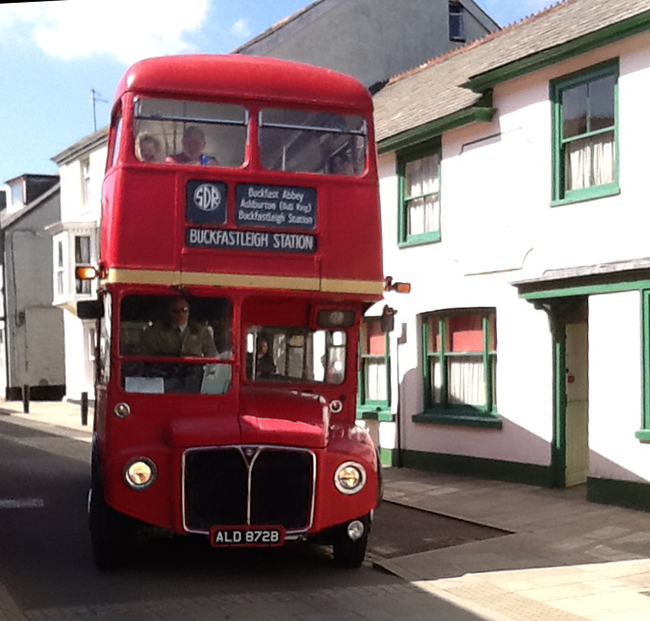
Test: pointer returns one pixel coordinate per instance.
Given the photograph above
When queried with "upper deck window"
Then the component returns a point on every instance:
(190, 132)
(314, 142)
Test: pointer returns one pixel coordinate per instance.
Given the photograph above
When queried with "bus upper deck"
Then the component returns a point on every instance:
(241, 171)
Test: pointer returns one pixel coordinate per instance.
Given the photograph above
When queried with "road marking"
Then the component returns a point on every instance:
(22, 503)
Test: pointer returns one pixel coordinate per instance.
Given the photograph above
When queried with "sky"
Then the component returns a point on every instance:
(54, 55)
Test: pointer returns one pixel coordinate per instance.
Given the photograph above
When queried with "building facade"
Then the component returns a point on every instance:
(31, 335)
(372, 40)
(513, 201)
(74, 243)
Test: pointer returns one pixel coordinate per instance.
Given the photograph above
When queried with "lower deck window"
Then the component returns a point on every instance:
(294, 354)
(460, 361)
(175, 344)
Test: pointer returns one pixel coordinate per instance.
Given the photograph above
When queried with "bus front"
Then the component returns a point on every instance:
(240, 245)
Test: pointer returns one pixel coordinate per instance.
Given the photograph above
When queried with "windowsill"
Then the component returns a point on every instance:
(589, 194)
(643, 435)
(460, 418)
(379, 413)
(419, 240)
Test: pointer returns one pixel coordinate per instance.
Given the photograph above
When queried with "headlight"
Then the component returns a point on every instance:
(140, 473)
(122, 410)
(350, 478)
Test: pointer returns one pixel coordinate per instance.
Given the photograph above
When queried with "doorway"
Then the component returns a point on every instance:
(571, 429)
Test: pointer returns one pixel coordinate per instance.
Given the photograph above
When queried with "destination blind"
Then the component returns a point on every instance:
(221, 239)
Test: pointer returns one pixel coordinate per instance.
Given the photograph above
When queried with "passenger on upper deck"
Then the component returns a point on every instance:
(178, 335)
(193, 145)
(147, 147)
(341, 165)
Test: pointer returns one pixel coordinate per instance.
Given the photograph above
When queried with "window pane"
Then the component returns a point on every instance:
(190, 132)
(374, 340)
(430, 174)
(316, 142)
(601, 103)
(434, 335)
(574, 111)
(413, 175)
(435, 374)
(589, 162)
(82, 250)
(466, 381)
(421, 176)
(466, 333)
(376, 380)
(423, 215)
(456, 22)
(293, 354)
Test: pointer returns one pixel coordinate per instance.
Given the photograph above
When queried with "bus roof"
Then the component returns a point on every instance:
(243, 77)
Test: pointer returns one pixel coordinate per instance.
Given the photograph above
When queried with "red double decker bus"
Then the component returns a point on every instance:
(240, 248)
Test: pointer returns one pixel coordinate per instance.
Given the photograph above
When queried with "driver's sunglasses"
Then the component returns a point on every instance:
(178, 311)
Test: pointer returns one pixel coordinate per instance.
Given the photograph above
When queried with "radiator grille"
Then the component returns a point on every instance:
(248, 485)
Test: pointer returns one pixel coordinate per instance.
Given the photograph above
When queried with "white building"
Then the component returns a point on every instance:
(74, 244)
(514, 201)
(31, 331)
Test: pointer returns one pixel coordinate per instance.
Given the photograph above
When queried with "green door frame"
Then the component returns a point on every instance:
(560, 312)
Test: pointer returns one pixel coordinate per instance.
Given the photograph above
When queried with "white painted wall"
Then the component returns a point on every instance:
(498, 227)
(75, 210)
(615, 388)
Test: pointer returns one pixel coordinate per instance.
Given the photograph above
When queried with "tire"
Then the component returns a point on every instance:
(111, 533)
(347, 553)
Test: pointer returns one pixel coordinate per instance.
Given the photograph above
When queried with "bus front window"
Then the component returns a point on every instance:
(295, 355)
(164, 341)
(190, 132)
(315, 142)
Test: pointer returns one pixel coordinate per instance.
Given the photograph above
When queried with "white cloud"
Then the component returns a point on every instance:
(241, 28)
(128, 30)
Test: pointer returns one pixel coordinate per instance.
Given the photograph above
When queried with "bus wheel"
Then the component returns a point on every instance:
(110, 532)
(351, 542)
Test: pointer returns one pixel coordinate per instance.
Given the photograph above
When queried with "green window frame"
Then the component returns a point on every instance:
(373, 395)
(418, 171)
(585, 134)
(459, 349)
(644, 433)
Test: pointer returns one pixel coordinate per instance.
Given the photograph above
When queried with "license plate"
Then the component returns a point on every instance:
(246, 537)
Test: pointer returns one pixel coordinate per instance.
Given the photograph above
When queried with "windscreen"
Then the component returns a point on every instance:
(300, 355)
(164, 341)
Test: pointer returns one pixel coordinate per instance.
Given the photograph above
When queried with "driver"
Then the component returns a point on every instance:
(178, 335)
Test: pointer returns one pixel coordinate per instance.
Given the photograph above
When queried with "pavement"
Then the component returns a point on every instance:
(564, 559)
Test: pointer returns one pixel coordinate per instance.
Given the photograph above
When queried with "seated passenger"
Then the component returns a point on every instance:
(193, 145)
(341, 165)
(147, 147)
(264, 365)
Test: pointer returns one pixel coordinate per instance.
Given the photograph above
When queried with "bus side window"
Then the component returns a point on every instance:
(104, 359)
(117, 141)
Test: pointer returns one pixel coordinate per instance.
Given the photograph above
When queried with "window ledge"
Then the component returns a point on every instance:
(643, 435)
(420, 240)
(589, 194)
(459, 419)
(381, 414)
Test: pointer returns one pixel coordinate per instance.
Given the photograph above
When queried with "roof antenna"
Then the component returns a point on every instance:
(94, 97)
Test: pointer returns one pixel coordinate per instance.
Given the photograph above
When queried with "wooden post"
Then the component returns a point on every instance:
(84, 408)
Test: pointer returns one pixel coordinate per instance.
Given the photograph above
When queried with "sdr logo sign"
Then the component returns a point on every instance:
(207, 197)
(206, 202)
